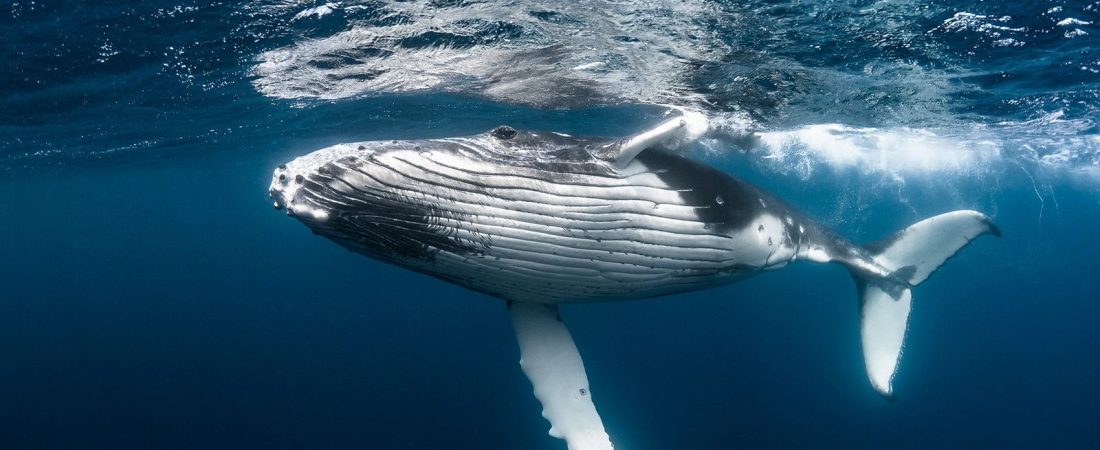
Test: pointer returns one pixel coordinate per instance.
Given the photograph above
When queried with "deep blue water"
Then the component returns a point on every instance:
(153, 299)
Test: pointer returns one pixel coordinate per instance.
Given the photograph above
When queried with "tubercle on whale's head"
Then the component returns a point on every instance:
(285, 185)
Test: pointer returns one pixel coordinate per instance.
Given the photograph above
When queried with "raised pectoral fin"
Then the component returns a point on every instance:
(551, 361)
(673, 133)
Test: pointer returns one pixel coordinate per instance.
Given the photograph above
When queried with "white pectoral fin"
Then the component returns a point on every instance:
(551, 361)
(673, 133)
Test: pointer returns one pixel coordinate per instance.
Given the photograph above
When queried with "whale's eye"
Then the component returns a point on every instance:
(503, 132)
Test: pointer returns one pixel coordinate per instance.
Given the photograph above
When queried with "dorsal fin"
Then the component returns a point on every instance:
(675, 132)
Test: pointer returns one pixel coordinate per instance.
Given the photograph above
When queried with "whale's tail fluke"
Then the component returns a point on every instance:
(910, 256)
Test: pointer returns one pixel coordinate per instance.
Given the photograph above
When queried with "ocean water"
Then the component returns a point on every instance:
(153, 299)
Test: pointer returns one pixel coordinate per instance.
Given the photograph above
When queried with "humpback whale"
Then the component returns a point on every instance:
(539, 219)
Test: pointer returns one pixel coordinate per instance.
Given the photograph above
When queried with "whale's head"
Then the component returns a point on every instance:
(340, 166)
(318, 185)
(377, 198)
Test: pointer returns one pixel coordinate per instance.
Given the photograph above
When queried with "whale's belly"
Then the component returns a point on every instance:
(551, 232)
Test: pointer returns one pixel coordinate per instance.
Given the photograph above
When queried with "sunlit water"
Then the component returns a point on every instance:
(152, 299)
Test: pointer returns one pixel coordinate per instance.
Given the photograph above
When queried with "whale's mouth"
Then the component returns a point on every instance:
(277, 199)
